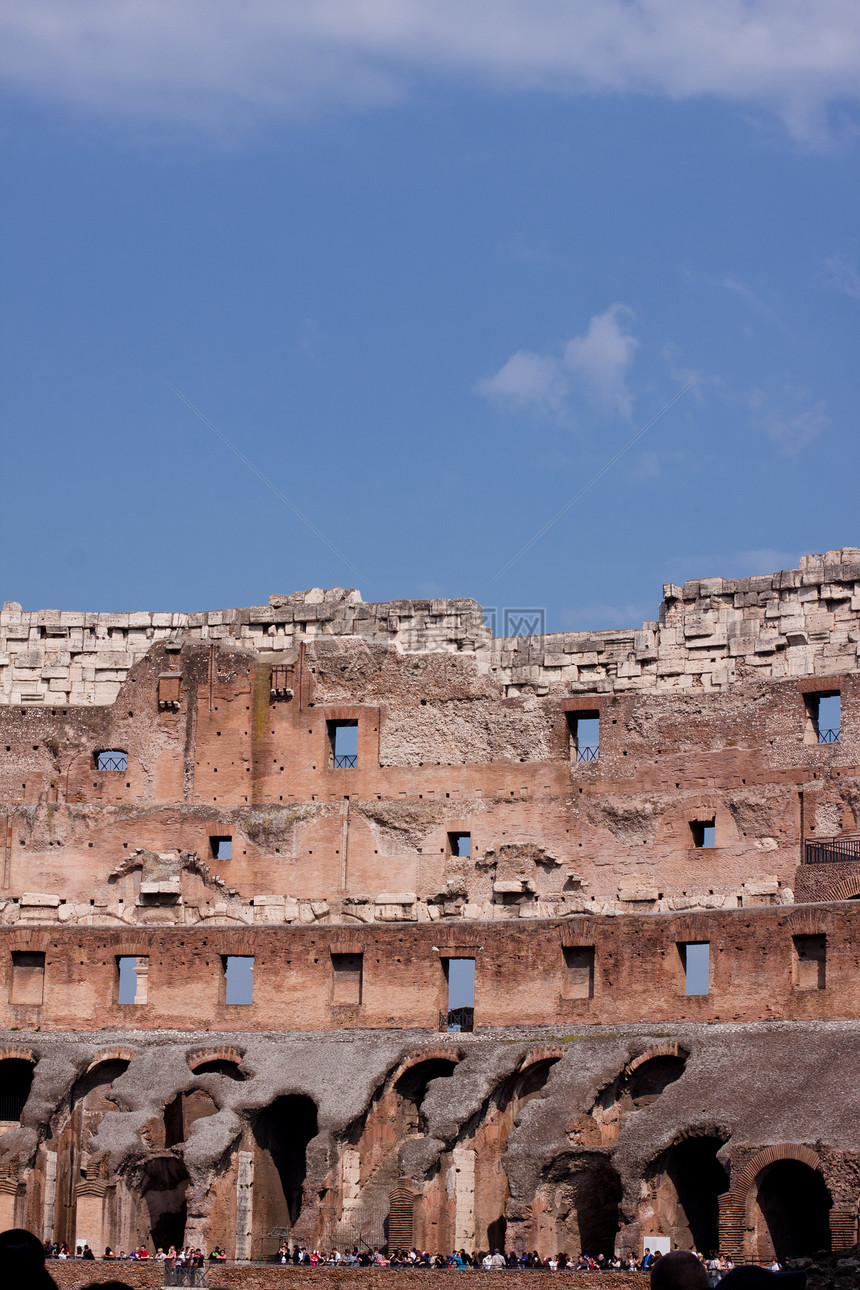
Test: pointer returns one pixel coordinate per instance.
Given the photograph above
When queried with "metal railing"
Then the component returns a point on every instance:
(829, 736)
(832, 851)
(456, 1020)
(112, 761)
(11, 1106)
(345, 761)
(587, 753)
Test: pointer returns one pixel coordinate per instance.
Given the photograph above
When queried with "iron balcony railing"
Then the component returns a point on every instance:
(112, 761)
(457, 1019)
(829, 736)
(832, 851)
(345, 761)
(587, 753)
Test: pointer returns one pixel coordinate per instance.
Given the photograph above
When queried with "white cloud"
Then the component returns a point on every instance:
(845, 275)
(595, 364)
(528, 380)
(793, 427)
(199, 60)
(601, 357)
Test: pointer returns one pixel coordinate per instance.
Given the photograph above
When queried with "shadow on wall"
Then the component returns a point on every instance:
(281, 1134)
(686, 1183)
(165, 1184)
(791, 1211)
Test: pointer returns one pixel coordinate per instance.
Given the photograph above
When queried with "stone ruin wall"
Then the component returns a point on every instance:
(703, 716)
(596, 1102)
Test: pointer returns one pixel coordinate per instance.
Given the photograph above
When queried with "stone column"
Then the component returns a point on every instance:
(244, 1205)
(463, 1167)
(50, 1197)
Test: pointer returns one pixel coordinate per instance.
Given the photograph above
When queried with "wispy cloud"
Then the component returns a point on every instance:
(845, 275)
(594, 364)
(197, 61)
(792, 423)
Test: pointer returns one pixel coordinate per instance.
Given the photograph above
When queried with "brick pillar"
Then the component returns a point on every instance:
(90, 1213)
(733, 1224)
(843, 1228)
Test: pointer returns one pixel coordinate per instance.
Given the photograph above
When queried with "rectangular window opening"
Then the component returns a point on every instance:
(460, 844)
(28, 977)
(578, 971)
(696, 960)
(221, 847)
(584, 730)
(810, 962)
(132, 972)
(460, 975)
(346, 978)
(704, 833)
(823, 717)
(112, 759)
(239, 978)
(343, 739)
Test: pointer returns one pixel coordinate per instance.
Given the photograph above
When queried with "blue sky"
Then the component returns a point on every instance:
(429, 268)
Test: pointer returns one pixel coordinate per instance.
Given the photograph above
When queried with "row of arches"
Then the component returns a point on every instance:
(464, 1198)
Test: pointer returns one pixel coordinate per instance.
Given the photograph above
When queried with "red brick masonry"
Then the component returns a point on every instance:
(253, 1277)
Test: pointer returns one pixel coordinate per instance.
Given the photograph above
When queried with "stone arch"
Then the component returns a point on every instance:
(126, 1055)
(767, 1156)
(89, 1100)
(643, 1079)
(788, 1209)
(738, 1226)
(218, 1061)
(845, 889)
(684, 1184)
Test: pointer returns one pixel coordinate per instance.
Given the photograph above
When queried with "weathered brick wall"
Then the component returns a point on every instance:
(522, 976)
(75, 1275)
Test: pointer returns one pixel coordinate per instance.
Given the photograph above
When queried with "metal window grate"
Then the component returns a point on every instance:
(113, 760)
(457, 1019)
(587, 753)
(829, 736)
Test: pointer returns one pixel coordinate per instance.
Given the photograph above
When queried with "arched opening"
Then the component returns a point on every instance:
(577, 1207)
(282, 1133)
(90, 1101)
(16, 1077)
(220, 1066)
(653, 1077)
(413, 1084)
(686, 1183)
(183, 1112)
(791, 1211)
(93, 1087)
(164, 1192)
(638, 1085)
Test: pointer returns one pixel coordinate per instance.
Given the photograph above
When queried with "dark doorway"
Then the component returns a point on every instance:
(164, 1192)
(16, 1076)
(283, 1132)
(691, 1201)
(793, 1206)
